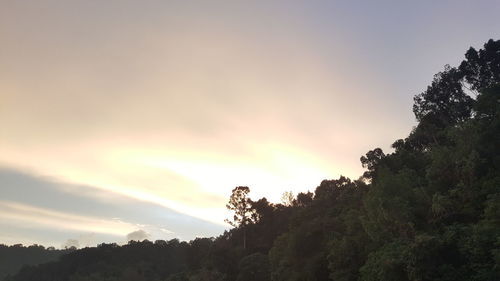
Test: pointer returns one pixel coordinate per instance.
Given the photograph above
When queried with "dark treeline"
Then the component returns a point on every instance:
(430, 210)
(12, 258)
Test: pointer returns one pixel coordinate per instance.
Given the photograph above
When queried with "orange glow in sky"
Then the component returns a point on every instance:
(174, 105)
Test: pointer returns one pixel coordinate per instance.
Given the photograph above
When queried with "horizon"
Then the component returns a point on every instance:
(136, 120)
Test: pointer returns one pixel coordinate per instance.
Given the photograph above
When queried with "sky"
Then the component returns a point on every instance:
(129, 119)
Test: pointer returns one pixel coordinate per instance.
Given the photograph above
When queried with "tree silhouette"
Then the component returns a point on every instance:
(482, 68)
(371, 161)
(243, 210)
(444, 103)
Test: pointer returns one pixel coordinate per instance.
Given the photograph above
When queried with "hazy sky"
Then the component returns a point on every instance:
(137, 118)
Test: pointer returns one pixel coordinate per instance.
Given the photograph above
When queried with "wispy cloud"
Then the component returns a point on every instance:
(29, 217)
(45, 216)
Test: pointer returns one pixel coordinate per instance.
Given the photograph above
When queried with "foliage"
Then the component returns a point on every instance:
(12, 258)
(242, 207)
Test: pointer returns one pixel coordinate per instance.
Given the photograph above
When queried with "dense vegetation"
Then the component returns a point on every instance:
(430, 210)
(12, 258)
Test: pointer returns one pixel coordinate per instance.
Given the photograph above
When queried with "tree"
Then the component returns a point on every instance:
(254, 267)
(444, 103)
(482, 68)
(304, 199)
(287, 198)
(243, 210)
(371, 161)
(262, 210)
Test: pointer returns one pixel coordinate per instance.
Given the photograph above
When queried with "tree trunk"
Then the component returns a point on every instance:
(244, 238)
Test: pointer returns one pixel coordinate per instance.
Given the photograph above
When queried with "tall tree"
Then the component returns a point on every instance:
(244, 213)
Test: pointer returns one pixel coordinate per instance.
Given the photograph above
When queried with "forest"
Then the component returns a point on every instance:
(12, 258)
(428, 210)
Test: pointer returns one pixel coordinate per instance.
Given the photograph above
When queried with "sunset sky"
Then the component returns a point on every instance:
(128, 119)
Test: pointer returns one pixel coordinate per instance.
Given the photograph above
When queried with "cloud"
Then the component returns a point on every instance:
(71, 243)
(138, 235)
(166, 231)
(64, 200)
(197, 95)
(30, 216)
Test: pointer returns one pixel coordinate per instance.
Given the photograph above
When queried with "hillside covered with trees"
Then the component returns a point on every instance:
(12, 258)
(429, 210)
